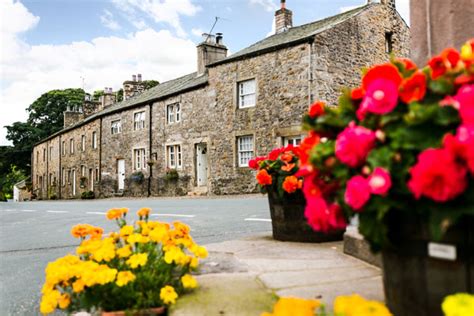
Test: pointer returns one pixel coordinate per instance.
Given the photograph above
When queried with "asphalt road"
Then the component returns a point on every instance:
(35, 233)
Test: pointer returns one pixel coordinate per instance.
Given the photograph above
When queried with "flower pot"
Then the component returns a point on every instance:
(415, 278)
(142, 312)
(289, 222)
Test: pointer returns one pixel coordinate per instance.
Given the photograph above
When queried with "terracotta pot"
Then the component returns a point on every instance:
(418, 273)
(289, 223)
(142, 312)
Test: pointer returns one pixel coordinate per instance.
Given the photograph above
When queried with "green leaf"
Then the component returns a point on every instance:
(381, 157)
(441, 86)
(419, 113)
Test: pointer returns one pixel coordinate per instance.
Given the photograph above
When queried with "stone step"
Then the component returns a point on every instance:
(355, 245)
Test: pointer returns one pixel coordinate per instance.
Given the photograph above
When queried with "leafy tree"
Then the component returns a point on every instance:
(148, 84)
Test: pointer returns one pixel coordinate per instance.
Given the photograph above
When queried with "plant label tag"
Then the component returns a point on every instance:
(442, 251)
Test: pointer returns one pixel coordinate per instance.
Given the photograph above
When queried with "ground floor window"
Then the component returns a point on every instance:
(292, 140)
(174, 156)
(139, 159)
(245, 150)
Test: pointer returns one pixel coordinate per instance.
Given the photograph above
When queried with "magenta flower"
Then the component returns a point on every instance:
(357, 192)
(465, 99)
(381, 97)
(379, 181)
(317, 214)
(353, 145)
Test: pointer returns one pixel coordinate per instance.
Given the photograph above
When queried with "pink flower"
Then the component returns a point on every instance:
(357, 192)
(461, 146)
(379, 181)
(336, 217)
(381, 97)
(322, 217)
(437, 176)
(353, 145)
(465, 98)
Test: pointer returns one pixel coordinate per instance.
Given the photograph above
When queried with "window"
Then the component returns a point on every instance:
(173, 113)
(63, 176)
(71, 146)
(388, 42)
(51, 183)
(245, 150)
(246, 93)
(44, 154)
(116, 127)
(83, 171)
(83, 142)
(69, 176)
(96, 174)
(37, 157)
(292, 140)
(139, 159)
(175, 159)
(64, 147)
(50, 152)
(139, 120)
(94, 140)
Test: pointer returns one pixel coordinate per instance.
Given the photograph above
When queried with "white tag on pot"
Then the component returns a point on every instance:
(442, 251)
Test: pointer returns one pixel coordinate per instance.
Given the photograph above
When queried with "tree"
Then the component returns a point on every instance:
(148, 84)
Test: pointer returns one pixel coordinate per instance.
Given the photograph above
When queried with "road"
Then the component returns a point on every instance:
(35, 233)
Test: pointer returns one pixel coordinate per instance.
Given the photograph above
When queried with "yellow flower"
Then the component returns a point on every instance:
(199, 251)
(78, 286)
(466, 52)
(113, 213)
(144, 212)
(80, 230)
(137, 238)
(105, 251)
(289, 306)
(126, 230)
(124, 252)
(176, 255)
(49, 302)
(138, 259)
(64, 300)
(459, 304)
(168, 295)
(193, 262)
(370, 308)
(189, 282)
(124, 277)
(159, 233)
(344, 304)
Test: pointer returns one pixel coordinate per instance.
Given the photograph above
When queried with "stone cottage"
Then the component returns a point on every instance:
(197, 133)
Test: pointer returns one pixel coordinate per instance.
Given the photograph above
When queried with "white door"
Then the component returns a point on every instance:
(91, 179)
(73, 182)
(121, 174)
(201, 161)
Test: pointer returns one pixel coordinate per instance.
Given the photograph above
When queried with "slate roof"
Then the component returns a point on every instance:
(293, 35)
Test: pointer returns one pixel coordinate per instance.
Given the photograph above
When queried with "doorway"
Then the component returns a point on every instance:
(121, 174)
(73, 182)
(201, 164)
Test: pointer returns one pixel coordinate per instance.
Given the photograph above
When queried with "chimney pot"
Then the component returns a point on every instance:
(219, 38)
(134, 78)
(139, 76)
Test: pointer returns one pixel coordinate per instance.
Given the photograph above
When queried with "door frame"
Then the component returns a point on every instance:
(198, 157)
(120, 179)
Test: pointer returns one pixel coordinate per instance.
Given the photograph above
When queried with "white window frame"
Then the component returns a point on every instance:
(295, 140)
(83, 142)
(138, 120)
(63, 176)
(243, 94)
(173, 113)
(245, 150)
(94, 140)
(116, 127)
(174, 156)
(50, 153)
(64, 147)
(139, 159)
(71, 146)
(83, 171)
(177, 112)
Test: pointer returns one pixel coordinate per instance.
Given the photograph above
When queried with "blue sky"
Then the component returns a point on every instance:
(56, 44)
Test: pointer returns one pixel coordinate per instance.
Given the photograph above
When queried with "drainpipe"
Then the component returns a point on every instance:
(47, 169)
(60, 170)
(100, 154)
(150, 138)
(310, 70)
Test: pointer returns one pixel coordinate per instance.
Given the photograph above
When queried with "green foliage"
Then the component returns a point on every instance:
(171, 175)
(137, 177)
(13, 176)
(88, 195)
(148, 84)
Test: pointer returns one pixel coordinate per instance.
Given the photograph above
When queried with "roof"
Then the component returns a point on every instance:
(161, 91)
(293, 35)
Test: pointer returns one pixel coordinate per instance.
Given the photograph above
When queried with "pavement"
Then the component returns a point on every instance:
(245, 276)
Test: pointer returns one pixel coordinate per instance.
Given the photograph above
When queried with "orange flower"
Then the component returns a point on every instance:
(292, 183)
(447, 60)
(306, 145)
(287, 167)
(96, 232)
(407, 63)
(357, 93)
(81, 230)
(316, 109)
(114, 213)
(437, 67)
(263, 178)
(144, 211)
(413, 88)
(286, 157)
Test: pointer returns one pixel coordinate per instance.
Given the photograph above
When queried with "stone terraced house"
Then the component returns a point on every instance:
(196, 133)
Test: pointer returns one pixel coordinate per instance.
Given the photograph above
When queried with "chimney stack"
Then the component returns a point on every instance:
(212, 49)
(283, 18)
(139, 77)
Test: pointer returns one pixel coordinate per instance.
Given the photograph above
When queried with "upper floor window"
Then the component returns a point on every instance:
(139, 120)
(388, 42)
(139, 159)
(44, 154)
(246, 93)
(71, 146)
(116, 127)
(83, 142)
(245, 150)
(175, 159)
(83, 171)
(94, 140)
(173, 113)
(50, 152)
(64, 147)
(292, 140)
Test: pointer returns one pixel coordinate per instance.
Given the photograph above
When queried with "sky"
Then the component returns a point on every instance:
(93, 44)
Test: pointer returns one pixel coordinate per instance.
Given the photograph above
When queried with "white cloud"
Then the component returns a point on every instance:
(32, 70)
(197, 32)
(107, 20)
(167, 11)
(268, 5)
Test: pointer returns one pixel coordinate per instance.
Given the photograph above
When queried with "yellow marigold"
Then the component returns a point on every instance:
(144, 212)
(80, 230)
(64, 300)
(124, 252)
(193, 262)
(351, 305)
(49, 302)
(97, 274)
(124, 277)
(199, 251)
(126, 230)
(78, 286)
(289, 306)
(168, 295)
(114, 213)
(188, 281)
(138, 259)
(370, 308)
(181, 229)
(158, 234)
(105, 251)
(96, 232)
(176, 255)
(137, 238)
(459, 304)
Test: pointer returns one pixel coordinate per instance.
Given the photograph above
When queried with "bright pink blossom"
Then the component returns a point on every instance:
(337, 219)
(465, 98)
(379, 181)
(381, 97)
(322, 217)
(353, 145)
(357, 192)
(437, 176)
(461, 145)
